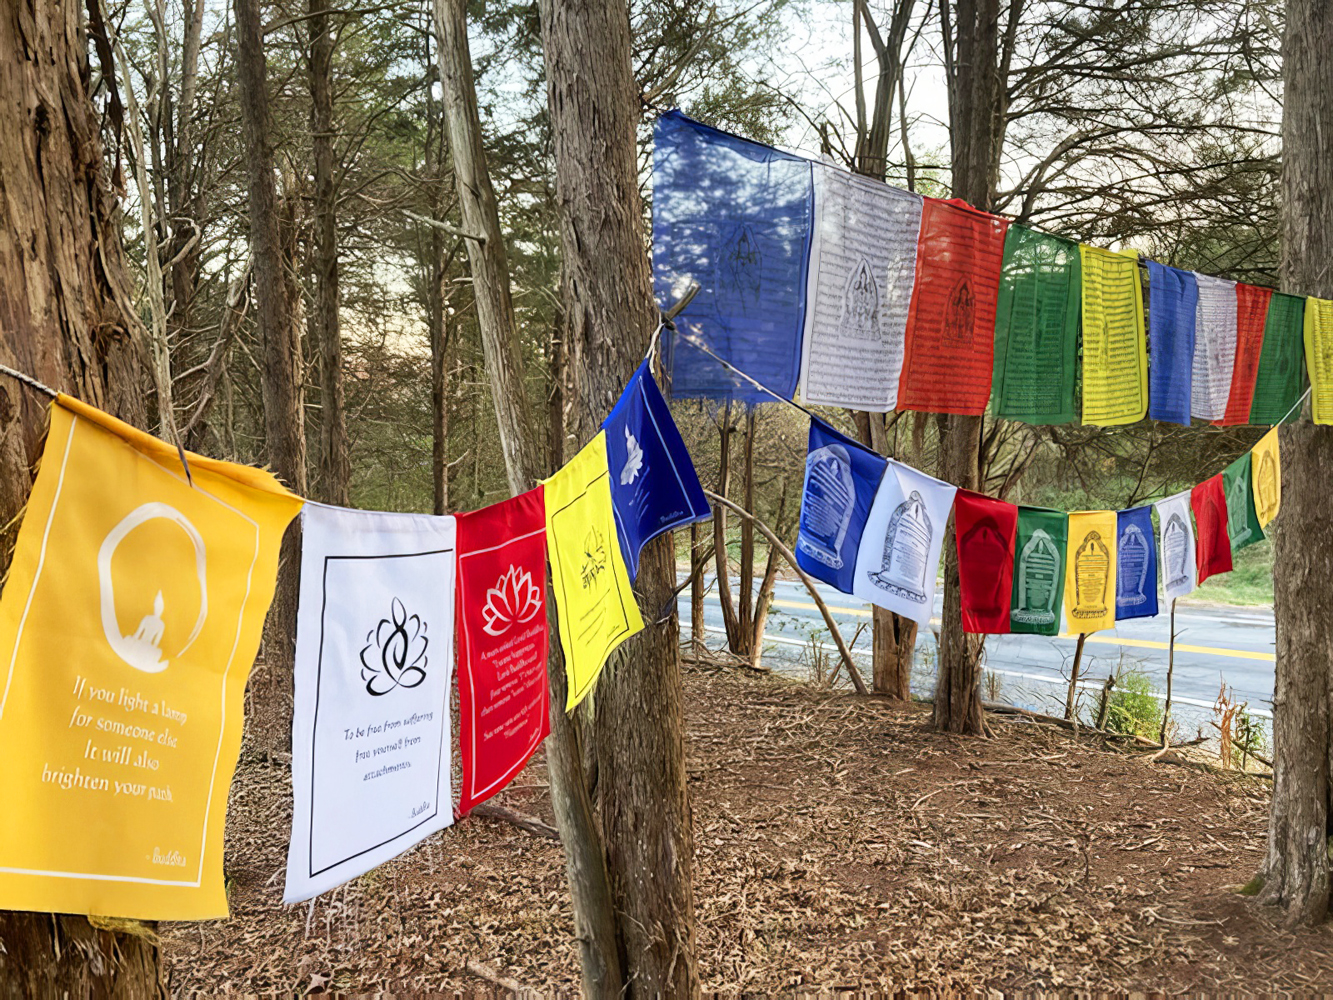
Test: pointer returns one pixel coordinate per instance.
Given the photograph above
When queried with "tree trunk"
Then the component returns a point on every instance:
(696, 589)
(610, 315)
(1296, 868)
(284, 418)
(585, 861)
(335, 460)
(62, 301)
(893, 645)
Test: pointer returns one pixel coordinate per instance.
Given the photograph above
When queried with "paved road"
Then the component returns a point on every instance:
(1213, 645)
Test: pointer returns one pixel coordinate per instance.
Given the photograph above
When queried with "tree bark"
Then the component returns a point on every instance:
(610, 314)
(284, 417)
(893, 645)
(63, 296)
(1296, 868)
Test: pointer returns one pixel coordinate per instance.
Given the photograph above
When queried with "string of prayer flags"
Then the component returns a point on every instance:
(841, 480)
(985, 530)
(1319, 357)
(1136, 564)
(1278, 383)
(1214, 347)
(1266, 478)
(950, 352)
(1090, 583)
(129, 623)
(503, 640)
(733, 216)
(1115, 361)
(1039, 571)
(1243, 527)
(371, 739)
(654, 487)
(862, 268)
(1036, 329)
(1212, 551)
(897, 561)
(1176, 546)
(1251, 314)
(1173, 299)
(595, 605)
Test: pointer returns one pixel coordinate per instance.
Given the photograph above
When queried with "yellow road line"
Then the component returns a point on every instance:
(1106, 640)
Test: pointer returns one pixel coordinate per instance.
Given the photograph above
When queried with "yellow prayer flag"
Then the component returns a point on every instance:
(1090, 579)
(1115, 356)
(1266, 477)
(128, 627)
(1319, 357)
(595, 604)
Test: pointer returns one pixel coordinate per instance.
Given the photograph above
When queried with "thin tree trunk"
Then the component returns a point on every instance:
(439, 378)
(1170, 676)
(745, 594)
(721, 555)
(585, 861)
(63, 302)
(894, 642)
(1072, 695)
(609, 312)
(696, 590)
(1296, 868)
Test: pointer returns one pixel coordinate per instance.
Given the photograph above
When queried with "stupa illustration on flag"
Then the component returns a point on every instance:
(1039, 579)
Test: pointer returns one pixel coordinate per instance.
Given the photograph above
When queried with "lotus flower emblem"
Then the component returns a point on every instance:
(594, 558)
(513, 600)
(395, 652)
(633, 460)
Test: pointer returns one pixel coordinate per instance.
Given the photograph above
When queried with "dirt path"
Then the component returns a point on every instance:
(838, 844)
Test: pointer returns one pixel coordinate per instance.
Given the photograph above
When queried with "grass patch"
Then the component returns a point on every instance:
(1250, 581)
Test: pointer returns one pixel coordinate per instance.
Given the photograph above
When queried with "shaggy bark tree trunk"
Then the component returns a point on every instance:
(62, 296)
(284, 418)
(585, 861)
(610, 314)
(1296, 869)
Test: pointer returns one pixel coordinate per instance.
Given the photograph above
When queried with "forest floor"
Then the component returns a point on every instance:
(839, 845)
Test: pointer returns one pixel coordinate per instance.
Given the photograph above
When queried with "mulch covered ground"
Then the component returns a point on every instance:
(839, 845)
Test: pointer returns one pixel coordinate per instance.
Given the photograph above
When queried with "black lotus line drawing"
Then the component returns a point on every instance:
(395, 652)
(594, 558)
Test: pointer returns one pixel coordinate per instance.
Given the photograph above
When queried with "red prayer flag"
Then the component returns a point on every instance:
(950, 340)
(1212, 551)
(503, 698)
(985, 530)
(1251, 314)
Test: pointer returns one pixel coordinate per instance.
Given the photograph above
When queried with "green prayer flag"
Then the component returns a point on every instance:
(1281, 370)
(1242, 519)
(1036, 328)
(1039, 571)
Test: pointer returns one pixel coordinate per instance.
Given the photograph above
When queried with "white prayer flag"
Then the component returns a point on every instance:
(1215, 323)
(899, 557)
(371, 742)
(862, 269)
(1176, 546)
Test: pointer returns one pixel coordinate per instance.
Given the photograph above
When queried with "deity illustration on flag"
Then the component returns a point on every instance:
(654, 488)
(1136, 564)
(1176, 546)
(1319, 357)
(899, 556)
(130, 620)
(1214, 347)
(841, 479)
(950, 352)
(734, 217)
(1266, 478)
(1036, 328)
(1115, 360)
(862, 267)
(1243, 525)
(1280, 379)
(595, 605)
(1090, 582)
(1039, 571)
(1251, 316)
(1212, 550)
(1173, 299)
(371, 735)
(985, 530)
(503, 695)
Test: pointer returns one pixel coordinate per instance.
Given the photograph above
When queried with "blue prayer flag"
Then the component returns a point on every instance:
(1173, 296)
(735, 217)
(1136, 565)
(653, 484)
(841, 479)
